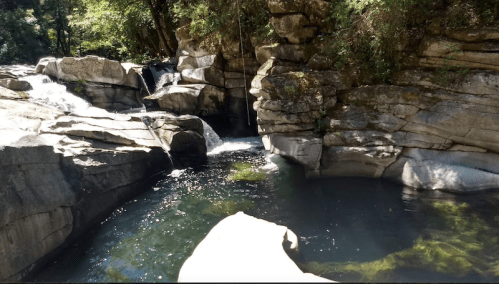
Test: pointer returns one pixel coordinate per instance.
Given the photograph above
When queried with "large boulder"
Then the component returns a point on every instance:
(241, 248)
(198, 99)
(92, 69)
(61, 174)
(43, 63)
(15, 84)
(189, 62)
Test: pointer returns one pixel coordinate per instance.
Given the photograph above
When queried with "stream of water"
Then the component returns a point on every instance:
(350, 229)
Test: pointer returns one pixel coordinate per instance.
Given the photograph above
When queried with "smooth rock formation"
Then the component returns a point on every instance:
(241, 248)
(198, 99)
(60, 174)
(92, 69)
(15, 84)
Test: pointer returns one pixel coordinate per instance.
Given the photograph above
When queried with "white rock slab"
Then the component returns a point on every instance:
(242, 248)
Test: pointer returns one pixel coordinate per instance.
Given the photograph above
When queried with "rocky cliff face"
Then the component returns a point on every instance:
(433, 128)
(62, 173)
(215, 83)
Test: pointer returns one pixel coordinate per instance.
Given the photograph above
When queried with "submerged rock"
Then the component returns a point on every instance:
(241, 248)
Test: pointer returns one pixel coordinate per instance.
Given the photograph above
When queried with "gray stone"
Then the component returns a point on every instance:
(289, 52)
(43, 63)
(284, 128)
(473, 35)
(474, 82)
(304, 150)
(190, 99)
(292, 27)
(15, 84)
(189, 62)
(357, 161)
(205, 75)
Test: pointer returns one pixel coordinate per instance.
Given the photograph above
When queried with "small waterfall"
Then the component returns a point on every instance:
(212, 139)
(147, 121)
(48, 93)
(164, 74)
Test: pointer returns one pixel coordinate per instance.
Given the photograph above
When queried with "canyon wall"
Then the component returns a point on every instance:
(433, 127)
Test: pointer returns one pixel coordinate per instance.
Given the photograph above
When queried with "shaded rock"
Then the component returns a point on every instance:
(292, 27)
(284, 128)
(107, 96)
(241, 65)
(15, 84)
(353, 117)
(236, 244)
(474, 82)
(473, 35)
(190, 99)
(289, 52)
(205, 75)
(437, 47)
(279, 117)
(306, 150)
(286, 106)
(464, 148)
(436, 62)
(320, 62)
(357, 161)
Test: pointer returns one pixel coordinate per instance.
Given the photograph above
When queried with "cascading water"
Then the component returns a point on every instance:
(49, 93)
(211, 137)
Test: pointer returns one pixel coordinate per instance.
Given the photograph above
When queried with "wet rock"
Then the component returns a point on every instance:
(15, 84)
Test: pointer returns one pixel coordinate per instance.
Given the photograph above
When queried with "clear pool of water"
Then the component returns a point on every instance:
(350, 229)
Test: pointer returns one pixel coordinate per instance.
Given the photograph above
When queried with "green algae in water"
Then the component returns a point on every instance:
(245, 172)
(460, 244)
(114, 275)
(228, 207)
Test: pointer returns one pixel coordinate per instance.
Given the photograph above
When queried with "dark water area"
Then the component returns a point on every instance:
(350, 229)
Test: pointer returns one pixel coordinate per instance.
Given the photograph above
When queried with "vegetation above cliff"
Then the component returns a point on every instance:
(369, 35)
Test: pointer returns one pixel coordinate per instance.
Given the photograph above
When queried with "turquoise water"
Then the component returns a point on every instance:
(340, 222)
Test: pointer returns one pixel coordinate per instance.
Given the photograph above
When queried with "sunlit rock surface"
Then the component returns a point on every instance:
(61, 173)
(242, 248)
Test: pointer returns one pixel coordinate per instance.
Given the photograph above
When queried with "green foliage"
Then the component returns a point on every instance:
(109, 27)
(21, 38)
(226, 208)
(246, 172)
(322, 122)
(290, 90)
(442, 75)
(459, 243)
(219, 15)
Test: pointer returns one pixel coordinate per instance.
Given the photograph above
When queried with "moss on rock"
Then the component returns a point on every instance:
(462, 244)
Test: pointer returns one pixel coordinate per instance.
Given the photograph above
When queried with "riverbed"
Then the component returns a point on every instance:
(350, 229)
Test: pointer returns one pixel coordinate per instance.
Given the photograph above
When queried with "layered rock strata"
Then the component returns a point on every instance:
(215, 83)
(60, 174)
(105, 83)
(434, 128)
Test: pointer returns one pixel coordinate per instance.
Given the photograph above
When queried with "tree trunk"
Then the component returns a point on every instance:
(159, 29)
